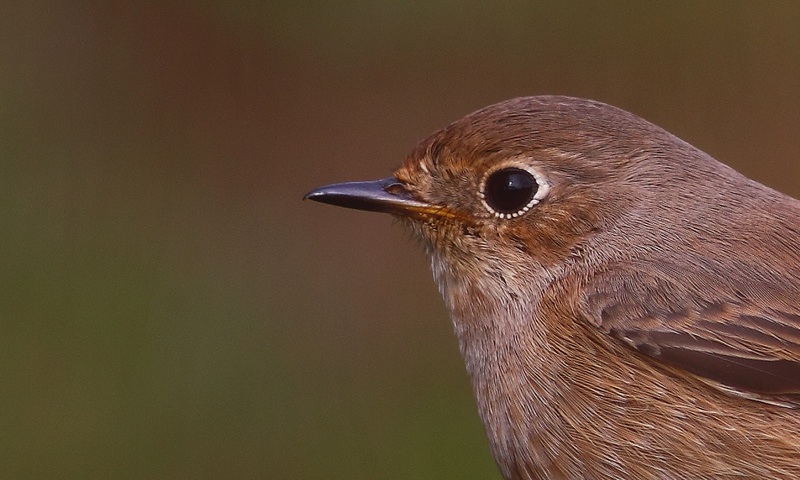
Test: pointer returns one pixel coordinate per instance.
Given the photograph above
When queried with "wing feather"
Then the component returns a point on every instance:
(744, 341)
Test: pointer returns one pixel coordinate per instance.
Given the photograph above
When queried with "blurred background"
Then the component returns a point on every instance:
(170, 308)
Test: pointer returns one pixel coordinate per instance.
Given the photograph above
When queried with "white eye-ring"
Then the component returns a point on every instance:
(512, 190)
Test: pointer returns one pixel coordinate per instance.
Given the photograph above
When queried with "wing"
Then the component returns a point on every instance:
(744, 339)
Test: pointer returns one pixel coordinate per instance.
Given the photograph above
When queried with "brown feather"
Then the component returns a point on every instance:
(640, 320)
(643, 242)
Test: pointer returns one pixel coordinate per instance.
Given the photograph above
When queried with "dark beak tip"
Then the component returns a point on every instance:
(328, 193)
(325, 195)
(313, 194)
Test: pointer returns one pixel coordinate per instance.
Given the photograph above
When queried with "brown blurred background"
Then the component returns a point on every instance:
(171, 309)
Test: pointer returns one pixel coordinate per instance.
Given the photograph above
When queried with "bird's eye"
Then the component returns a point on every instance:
(510, 192)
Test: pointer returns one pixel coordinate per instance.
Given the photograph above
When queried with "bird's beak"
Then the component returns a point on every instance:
(388, 195)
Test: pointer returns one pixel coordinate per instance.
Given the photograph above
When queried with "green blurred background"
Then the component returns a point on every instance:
(171, 309)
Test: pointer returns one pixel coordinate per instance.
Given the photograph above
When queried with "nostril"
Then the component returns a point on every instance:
(395, 187)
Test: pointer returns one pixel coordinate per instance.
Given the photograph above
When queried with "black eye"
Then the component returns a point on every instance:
(510, 192)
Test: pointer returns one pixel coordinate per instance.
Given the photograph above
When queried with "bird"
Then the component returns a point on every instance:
(626, 306)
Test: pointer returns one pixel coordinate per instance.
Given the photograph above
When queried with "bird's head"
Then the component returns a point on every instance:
(520, 187)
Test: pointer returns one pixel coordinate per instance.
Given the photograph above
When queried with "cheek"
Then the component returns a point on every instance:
(551, 235)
